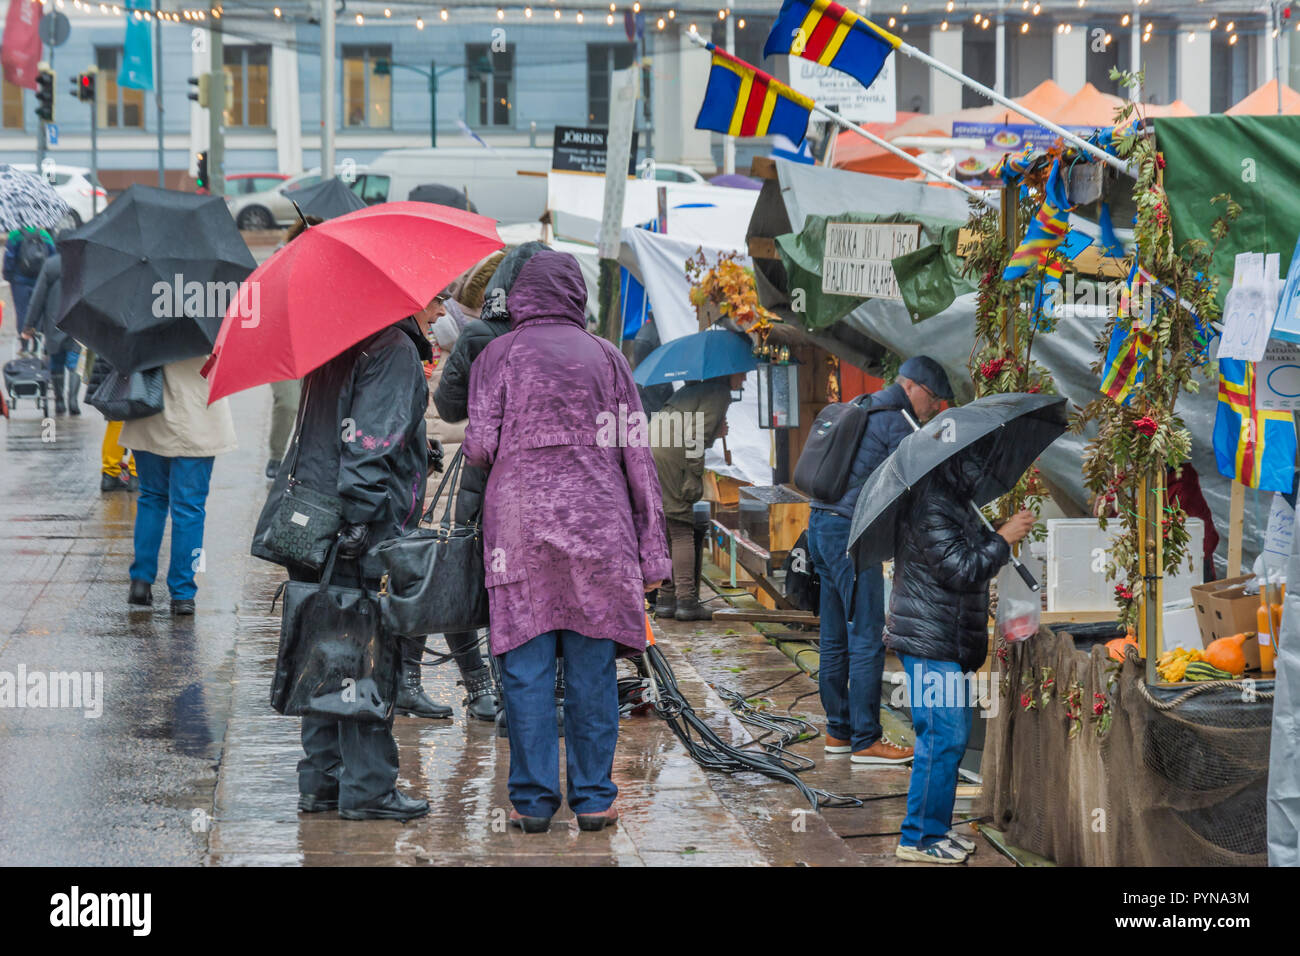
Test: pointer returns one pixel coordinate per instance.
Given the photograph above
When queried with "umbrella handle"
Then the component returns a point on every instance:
(1030, 581)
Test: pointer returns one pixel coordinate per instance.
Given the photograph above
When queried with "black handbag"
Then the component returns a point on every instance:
(433, 581)
(122, 398)
(335, 658)
(305, 522)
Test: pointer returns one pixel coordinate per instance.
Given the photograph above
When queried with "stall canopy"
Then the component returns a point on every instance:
(1068, 353)
(1263, 102)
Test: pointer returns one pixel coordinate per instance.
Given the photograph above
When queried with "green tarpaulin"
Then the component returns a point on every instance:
(929, 278)
(1256, 160)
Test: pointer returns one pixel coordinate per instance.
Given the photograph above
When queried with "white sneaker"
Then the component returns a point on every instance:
(962, 840)
(941, 851)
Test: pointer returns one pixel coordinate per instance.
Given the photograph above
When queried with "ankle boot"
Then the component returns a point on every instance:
(480, 697)
(665, 602)
(74, 388)
(412, 701)
(692, 610)
(57, 381)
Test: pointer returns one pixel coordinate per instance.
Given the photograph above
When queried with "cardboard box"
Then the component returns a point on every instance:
(1223, 608)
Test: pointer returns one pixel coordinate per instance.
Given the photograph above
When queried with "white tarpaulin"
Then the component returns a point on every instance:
(659, 261)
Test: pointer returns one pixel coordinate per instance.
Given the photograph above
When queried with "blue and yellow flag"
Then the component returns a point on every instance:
(1047, 230)
(1254, 446)
(827, 33)
(741, 100)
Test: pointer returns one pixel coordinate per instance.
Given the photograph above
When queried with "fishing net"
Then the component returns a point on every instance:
(1138, 776)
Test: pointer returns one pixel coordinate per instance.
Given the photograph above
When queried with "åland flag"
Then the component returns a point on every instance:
(743, 101)
(1255, 446)
(827, 33)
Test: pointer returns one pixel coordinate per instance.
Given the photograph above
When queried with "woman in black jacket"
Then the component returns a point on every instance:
(938, 626)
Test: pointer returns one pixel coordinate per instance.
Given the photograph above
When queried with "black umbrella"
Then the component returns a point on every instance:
(327, 199)
(147, 281)
(442, 195)
(1012, 429)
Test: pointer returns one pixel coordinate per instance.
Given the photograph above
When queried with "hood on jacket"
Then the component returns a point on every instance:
(550, 285)
(964, 471)
(446, 330)
(497, 291)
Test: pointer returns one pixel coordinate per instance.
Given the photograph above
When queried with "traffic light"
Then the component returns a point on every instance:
(83, 86)
(201, 85)
(201, 176)
(45, 92)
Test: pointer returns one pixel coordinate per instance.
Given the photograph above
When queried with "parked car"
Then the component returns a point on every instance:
(273, 207)
(668, 172)
(490, 178)
(77, 186)
(241, 184)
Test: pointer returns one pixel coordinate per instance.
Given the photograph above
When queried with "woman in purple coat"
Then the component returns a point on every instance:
(574, 535)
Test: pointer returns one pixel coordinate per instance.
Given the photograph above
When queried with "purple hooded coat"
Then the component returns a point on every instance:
(573, 522)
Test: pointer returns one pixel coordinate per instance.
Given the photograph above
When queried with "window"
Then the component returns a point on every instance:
(367, 95)
(117, 107)
(13, 106)
(602, 58)
(489, 85)
(371, 188)
(248, 71)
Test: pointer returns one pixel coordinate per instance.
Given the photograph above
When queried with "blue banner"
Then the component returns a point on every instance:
(136, 71)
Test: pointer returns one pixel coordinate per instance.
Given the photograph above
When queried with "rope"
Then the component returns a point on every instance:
(1200, 687)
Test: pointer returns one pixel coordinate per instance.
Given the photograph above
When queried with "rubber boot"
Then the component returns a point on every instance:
(665, 602)
(74, 391)
(480, 693)
(503, 729)
(412, 701)
(691, 609)
(57, 381)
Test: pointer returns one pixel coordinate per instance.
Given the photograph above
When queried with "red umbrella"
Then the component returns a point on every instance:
(338, 283)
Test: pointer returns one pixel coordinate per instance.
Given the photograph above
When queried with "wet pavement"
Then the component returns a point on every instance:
(188, 765)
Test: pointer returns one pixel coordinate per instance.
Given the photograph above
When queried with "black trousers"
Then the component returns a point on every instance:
(355, 759)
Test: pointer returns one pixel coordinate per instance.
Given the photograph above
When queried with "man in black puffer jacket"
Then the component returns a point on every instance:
(938, 625)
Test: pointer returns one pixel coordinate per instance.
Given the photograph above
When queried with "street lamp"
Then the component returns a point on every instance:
(385, 67)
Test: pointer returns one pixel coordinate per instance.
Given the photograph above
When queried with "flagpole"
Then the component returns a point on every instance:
(1071, 138)
(836, 118)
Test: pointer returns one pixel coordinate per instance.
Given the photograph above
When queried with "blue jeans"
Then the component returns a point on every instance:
(178, 486)
(65, 360)
(590, 723)
(942, 720)
(852, 654)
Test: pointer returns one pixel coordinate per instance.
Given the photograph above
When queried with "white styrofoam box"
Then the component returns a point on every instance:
(1076, 571)
(1181, 628)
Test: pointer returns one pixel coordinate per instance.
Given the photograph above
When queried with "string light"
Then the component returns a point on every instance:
(528, 13)
(722, 14)
(387, 12)
(661, 21)
(360, 20)
(276, 11)
(1108, 39)
(501, 14)
(1191, 37)
(443, 13)
(1232, 40)
(419, 23)
(1024, 27)
(672, 14)
(950, 6)
(579, 16)
(985, 24)
(944, 25)
(1231, 24)
(557, 14)
(741, 23)
(1123, 21)
(891, 21)
(1214, 23)
(1038, 7)
(904, 10)
(609, 19)
(636, 7)
(978, 18)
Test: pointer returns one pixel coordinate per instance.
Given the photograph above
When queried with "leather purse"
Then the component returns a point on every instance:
(335, 658)
(123, 398)
(306, 522)
(433, 581)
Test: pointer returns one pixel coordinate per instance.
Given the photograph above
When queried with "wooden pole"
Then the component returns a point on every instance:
(1236, 514)
(1139, 587)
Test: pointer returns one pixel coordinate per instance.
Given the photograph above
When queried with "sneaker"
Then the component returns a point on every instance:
(882, 752)
(836, 746)
(941, 851)
(109, 482)
(960, 839)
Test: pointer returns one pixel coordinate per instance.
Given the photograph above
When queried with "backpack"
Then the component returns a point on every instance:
(827, 458)
(32, 253)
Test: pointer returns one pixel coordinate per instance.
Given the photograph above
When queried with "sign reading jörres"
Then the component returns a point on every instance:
(578, 149)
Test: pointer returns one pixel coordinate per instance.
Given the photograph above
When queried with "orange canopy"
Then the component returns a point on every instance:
(1263, 102)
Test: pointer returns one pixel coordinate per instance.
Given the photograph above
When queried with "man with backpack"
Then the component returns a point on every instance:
(25, 253)
(833, 468)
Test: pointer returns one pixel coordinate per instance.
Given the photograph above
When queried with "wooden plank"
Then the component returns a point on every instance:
(763, 247)
(793, 616)
(1094, 262)
(967, 242)
(763, 167)
(1078, 617)
(1236, 513)
(786, 521)
(1016, 855)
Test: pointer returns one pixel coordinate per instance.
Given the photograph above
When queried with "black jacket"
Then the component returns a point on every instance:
(943, 562)
(362, 436)
(43, 307)
(452, 397)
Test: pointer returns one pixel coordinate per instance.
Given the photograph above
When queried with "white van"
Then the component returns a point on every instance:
(492, 178)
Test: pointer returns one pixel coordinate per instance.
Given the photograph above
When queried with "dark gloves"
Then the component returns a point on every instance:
(352, 540)
(435, 456)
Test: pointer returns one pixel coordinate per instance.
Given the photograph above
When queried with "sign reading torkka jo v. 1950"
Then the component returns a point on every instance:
(857, 257)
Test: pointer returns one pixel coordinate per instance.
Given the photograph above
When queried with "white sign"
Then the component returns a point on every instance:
(856, 103)
(1250, 306)
(858, 257)
(1281, 529)
(1277, 377)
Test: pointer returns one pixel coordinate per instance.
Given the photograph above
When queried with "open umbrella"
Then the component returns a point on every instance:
(328, 199)
(338, 283)
(693, 358)
(28, 200)
(442, 195)
(1019, 426)
(148, 280)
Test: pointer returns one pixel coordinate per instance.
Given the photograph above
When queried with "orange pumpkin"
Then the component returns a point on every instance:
(1116, 647)
(1227, 655)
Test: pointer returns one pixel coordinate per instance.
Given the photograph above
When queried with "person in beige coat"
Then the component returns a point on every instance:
(174, 451)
